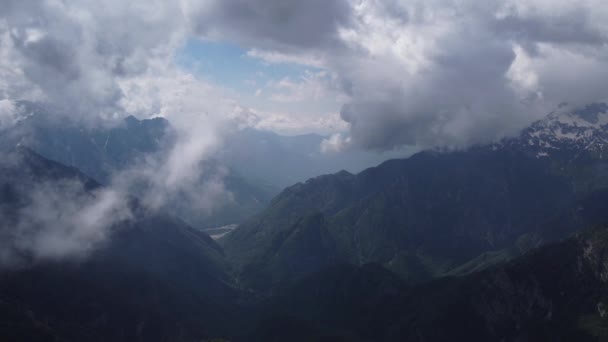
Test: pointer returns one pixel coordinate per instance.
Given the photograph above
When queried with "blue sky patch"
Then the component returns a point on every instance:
(228, 65)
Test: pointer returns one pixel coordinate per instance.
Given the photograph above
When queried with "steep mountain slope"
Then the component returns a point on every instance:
(556, 293)
(154, 279)
(420, 217)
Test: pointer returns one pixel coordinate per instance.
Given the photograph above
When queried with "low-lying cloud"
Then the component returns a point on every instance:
(52, 213)
(63, 220)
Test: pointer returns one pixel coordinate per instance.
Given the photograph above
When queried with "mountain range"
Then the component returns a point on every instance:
(253, 165)
(431, 214)
(499, 242)
(281, 161)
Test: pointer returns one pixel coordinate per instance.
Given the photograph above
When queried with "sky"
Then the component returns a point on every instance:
(284, 91)
(371, 74)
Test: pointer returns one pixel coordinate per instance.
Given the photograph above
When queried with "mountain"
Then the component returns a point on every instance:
(427, 215)
(96, 150)
(556, 293)
(153, 279)
(567, 133)
(157, 279)
(101, 151)
(574, 140)
(254, 165)
(281, 161)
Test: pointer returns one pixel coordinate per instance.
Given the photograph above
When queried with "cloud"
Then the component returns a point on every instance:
(560, 22)
(335, 143)
(201, 117)
(62, 220)
(438, 72)
(275, 57)
(73, 53)
(51, 213)
(272, 23)
(442, 75)
(290, 123)
(310, 86)
(8, 113)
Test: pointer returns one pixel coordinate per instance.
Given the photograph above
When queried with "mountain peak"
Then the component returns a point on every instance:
(568, 129)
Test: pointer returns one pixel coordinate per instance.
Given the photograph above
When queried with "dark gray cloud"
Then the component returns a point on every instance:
(274, 23)
(475, 84)
(574, 26)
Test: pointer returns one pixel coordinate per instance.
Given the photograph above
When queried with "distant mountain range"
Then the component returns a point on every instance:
(255, 164)
(100, 152)
(281, 161)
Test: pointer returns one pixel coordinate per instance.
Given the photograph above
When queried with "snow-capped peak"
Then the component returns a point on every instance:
(568, 130)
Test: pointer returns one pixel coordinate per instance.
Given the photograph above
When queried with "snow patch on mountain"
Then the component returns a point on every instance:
(567, 130)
